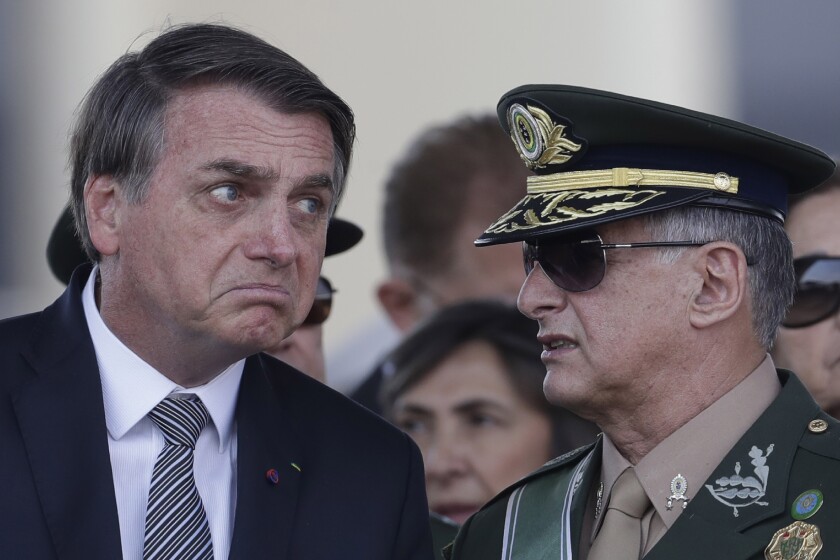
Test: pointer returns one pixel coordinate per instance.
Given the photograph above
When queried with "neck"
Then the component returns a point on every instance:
(187, 362)
(675, 398)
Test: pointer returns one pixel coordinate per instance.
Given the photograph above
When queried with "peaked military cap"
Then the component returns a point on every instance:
(599, 157)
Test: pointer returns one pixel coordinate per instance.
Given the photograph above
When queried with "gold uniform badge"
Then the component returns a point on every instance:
(797, 541)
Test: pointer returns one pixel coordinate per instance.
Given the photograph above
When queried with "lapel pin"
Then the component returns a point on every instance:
(679, 486)
(272, 476)
(806, 505)
(798, 541)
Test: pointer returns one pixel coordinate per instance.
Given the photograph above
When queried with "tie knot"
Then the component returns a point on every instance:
(628, 496)
(180, 420)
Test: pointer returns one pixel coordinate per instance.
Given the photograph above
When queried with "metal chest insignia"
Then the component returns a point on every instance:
(738, 491)
(798, 541)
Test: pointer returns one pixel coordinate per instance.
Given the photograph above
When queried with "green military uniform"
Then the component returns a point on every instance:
(601, 157)
(514, 526)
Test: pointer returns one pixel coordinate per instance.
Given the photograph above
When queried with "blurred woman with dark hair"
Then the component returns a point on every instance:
(467, 386)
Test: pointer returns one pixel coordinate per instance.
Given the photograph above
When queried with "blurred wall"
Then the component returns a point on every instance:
(400, 65)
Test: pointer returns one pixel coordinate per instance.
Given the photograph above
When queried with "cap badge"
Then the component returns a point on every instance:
(539, 140)
(797, 541)
(679, 486)
(738, 491)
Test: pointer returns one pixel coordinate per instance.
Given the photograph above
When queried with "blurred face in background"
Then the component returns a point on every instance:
(303, 349)
(813, 352)
(476, 433)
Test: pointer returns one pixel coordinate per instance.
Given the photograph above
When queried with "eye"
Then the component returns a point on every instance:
(412, 426)
(480, 420)
(310, 205)
(225, 193)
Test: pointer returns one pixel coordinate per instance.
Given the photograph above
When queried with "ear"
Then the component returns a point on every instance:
(101, 212)
(723, 292)
(399, 299)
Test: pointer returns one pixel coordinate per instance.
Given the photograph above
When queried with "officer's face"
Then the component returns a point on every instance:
(606, 348)
(476, 433)
(222, 256)
(813, 353)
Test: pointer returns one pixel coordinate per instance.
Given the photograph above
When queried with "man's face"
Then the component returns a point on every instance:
(813, 353)
(224, 252)
(606, 349)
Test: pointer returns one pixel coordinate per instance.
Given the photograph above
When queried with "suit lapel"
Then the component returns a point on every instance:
(266, 441)
(62, 423)
(747, 487)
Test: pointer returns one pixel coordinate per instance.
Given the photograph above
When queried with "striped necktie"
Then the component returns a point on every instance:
(176, 523)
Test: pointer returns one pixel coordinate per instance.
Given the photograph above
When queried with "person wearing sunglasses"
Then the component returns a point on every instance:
(658, 271)
(809, 339)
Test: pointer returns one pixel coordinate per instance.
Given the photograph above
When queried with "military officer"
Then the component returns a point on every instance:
(658, 270)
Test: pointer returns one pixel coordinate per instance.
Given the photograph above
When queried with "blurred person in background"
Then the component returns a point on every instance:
(467, 386)
(303, 349)
(453, 180)
(808, 341)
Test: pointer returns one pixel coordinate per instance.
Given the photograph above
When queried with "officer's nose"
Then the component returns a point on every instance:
(539, 295)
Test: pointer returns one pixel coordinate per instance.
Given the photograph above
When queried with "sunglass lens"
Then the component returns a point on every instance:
(576, 265)
(812, 305)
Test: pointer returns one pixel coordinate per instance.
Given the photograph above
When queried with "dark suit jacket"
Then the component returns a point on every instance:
(801, 460)
(358, 494)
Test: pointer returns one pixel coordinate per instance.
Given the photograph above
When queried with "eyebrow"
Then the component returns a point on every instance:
(265, 174)
(241, 169)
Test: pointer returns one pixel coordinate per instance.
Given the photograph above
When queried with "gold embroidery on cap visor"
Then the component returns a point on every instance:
(538, 139)
(576, 195)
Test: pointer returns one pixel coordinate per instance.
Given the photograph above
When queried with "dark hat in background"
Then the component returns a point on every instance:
(65, 253)
(601, 157)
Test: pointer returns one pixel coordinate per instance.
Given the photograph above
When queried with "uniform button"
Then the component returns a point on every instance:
(817, 426)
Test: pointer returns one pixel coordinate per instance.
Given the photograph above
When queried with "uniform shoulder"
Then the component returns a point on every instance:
(822, 436)
(565, 461)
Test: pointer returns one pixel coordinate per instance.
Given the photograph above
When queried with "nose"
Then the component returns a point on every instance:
(446, 458)
(273, 238)
(540, 295)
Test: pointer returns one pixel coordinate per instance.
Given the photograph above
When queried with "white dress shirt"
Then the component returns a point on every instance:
(131, 388)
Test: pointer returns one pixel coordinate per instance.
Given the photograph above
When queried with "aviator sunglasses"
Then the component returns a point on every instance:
(817, 291)
(578, 263)
(322, 305)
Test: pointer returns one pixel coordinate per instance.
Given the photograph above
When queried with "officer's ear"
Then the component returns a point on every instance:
(399, 299)
(100, 194)
(722, 269)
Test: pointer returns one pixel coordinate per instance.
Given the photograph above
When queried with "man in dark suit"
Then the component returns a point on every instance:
(138, 418)
(658, 270)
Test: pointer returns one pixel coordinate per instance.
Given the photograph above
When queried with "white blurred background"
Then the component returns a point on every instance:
(403, 66)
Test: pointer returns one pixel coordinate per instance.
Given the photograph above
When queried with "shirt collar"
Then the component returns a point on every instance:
(131, 387)
(697, 447)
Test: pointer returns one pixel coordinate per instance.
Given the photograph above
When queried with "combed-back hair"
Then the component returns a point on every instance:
(468, 168)
(765, 245)
(119, 130)
(514, 338)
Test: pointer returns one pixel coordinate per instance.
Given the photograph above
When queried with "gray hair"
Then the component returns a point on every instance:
(120, 127)
(765, 244)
